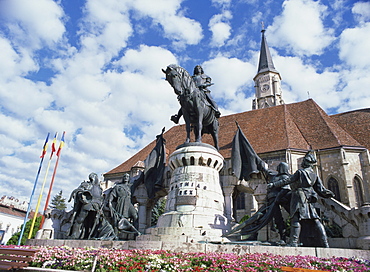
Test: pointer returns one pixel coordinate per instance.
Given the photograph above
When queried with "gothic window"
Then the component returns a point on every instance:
(240, 202)
(359, 194)
(334, 187)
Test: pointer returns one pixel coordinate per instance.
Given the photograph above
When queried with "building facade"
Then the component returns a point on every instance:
(12, 213)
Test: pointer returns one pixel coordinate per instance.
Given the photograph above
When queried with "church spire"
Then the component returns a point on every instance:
(265, 63)
(268, 80)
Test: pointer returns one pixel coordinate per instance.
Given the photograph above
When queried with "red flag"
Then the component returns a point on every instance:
(53, 148)
(45, 148)
(61, 144)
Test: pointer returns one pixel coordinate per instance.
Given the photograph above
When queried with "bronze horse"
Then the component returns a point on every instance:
(195, 108)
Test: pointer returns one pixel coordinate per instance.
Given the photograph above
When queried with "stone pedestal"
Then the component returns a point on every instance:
(195, 203)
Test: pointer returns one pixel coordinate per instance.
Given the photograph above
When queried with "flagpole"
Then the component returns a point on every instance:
(52, 181)
(40, 197)
(44, 149)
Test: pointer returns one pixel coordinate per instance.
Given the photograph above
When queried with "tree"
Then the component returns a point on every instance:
(14, 239)
(158, 210)
(58, 202)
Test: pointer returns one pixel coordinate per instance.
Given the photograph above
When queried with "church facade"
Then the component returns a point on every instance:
(281, 132)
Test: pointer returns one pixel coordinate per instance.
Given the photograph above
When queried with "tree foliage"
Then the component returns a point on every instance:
(14, 239)
(58, 202)
(158, 210)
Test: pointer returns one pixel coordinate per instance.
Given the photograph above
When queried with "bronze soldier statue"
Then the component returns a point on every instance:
(305, 185)
(88, 200)
(121, 208)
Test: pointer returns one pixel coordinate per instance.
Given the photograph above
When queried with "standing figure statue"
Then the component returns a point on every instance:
(87, 205)
(198, 112)
(305, 185)
(123, 213)
(271, 209)
(279, 197)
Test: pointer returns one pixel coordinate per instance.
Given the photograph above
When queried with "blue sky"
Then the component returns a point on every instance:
(93, 69)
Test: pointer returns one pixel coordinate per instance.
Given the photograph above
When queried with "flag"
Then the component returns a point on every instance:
(154, 167)
(61, 144)
(45, 147)
(244, 159)
(53, 149)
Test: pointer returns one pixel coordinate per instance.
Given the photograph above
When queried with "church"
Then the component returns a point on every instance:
(281, 132)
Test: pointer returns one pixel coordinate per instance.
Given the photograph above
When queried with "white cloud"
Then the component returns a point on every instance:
(178, 28)
(106, 27)
(35, 22)
(14, 63)
(300, 28)
(231, 77)
(220, 28)
(353, 51)
(354, 93)
(305, 82)
(362, 11)
(221, 2)
(147, 60)
(354, 47)
(15, 129)
(24, 97)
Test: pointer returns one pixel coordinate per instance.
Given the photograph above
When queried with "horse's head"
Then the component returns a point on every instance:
(174, 77)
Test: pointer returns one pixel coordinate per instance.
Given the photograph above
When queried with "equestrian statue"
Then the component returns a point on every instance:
(198, 109)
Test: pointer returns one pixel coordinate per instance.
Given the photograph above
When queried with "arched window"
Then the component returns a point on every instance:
(334, 187)
(240, 201)
(359, 194)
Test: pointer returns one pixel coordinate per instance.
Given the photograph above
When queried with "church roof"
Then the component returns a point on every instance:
(356, 123)
(298, 126)
(265, 62)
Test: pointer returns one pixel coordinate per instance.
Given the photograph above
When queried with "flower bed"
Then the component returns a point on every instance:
(103, 259)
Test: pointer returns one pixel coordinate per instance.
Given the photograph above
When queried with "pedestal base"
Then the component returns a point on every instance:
(195, 203)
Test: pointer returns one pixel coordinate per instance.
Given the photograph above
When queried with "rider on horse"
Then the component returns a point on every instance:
(202, 81)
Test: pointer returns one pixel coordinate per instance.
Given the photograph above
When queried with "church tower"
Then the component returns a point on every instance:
(267, 81)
